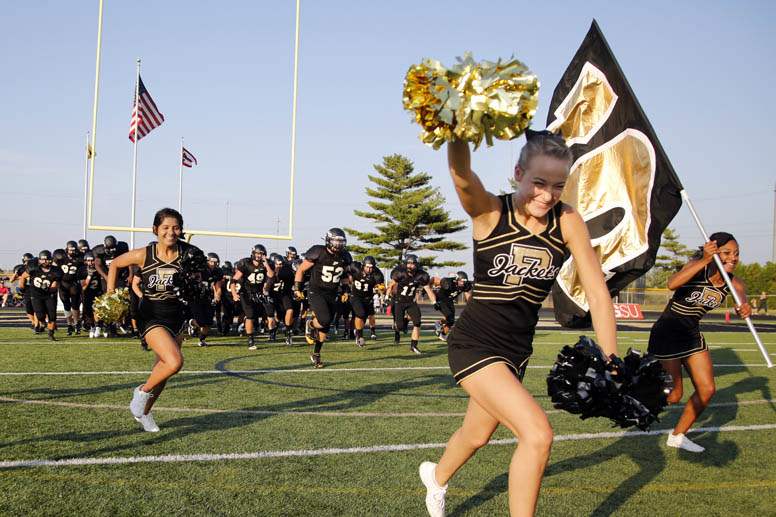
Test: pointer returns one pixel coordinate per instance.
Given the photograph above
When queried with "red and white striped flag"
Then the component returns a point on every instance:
(188, 158)
(147, 117)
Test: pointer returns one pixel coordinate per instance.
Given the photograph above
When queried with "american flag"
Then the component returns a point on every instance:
(149, 117)
(188, 158)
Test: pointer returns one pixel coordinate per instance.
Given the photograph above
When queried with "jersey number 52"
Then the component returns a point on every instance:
(331, 274)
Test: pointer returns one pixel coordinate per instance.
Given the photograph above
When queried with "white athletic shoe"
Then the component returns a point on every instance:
(148, 423)
(96, 331)
(680, 441)
(138, 404)
(91, 333)
(360, 342)
(435, 494)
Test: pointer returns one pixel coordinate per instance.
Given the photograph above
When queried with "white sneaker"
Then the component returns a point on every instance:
(148, 423)
(96, 331)
(91, 333)
(680, 441)
(360, 342)
(138, 404)
(435, 494)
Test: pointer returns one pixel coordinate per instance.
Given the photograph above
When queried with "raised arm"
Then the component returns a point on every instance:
(483, 207)
(589, 268)
(134, 257)
(692, 268)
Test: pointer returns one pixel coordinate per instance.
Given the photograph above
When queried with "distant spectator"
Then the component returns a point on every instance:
(5, 292)
(763, 303)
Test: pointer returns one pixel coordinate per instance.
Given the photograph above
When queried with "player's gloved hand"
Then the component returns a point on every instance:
(437, 306)
(298, 291)
(344, 297)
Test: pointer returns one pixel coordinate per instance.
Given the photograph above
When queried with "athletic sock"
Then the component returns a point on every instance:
(359, 333)
(414, 343)
(372, 329)
(396, 336)
(318, 346)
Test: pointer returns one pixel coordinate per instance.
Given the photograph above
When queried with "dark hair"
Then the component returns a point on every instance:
(721, 238)
(543, 143)
(163, 214)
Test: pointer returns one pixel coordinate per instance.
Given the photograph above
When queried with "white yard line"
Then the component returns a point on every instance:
(325, 413)
(304, 370)
(181, 458)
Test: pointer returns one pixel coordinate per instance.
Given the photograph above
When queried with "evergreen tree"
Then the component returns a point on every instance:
(674, 257)
(408, 215)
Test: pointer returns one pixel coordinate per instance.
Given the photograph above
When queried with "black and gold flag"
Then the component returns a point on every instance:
(621, 182)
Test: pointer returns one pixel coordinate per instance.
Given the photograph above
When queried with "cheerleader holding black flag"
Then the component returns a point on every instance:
(676, 338)
(161, 315)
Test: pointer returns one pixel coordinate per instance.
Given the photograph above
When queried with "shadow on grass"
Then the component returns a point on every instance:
(648, 452)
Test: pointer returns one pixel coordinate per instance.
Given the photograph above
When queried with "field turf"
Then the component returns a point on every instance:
(347, 439)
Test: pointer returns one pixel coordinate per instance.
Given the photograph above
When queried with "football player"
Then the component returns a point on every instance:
(447, 290)
(27, 261)
(406, 280)
(43, 279)
(73, 272)
(91, 286)
(326, 264)
(365, 280)
(281, 288)
(252, 274)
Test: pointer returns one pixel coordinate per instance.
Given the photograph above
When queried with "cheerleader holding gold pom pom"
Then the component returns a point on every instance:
(520, 242)
(676, 338)
(161, 315)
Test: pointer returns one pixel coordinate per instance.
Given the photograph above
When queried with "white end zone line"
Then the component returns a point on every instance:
(308, 370)
(181, 458)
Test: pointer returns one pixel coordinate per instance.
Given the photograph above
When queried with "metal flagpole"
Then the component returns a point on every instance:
(86, 183)
(134, 157)
(729, 283)
(180, 179)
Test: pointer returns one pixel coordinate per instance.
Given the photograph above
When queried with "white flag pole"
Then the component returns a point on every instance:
(134, 157)
(729, 283)
(86, 183)
(180, 179)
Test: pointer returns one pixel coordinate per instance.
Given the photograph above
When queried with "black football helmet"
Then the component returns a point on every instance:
(258, 251)
(227, 269)
(336, 240)
(60, 256)
(44, 258)
(27, 257)
(88, 258)
(277, 260)
(71, 248)
(110, 244)
(411, 260)
(213, 260)
(291, 254)
(83, 246)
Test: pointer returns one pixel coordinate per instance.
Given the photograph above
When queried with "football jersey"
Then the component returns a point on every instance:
(41, 280)
(282, 284)
(95, 283)
(408, 284)
(515, 266)
(73, 271)
(449, 290)
(694, 299)
(325, 275)
(253, 277)
(363, 285)
(106, 257)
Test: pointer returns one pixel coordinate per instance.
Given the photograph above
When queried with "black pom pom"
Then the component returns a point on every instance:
(630, 391)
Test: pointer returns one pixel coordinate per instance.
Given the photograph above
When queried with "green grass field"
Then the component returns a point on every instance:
(297, 429)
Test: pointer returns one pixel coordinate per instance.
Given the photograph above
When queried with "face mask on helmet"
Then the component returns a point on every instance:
(258, 252)
(27, 257)
(291, 253)
(110, 243)
(44, 258)
(411, 262)
(83, 246)
(336, 240)
(212, 260)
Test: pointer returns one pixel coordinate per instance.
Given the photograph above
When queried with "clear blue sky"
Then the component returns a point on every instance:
(221, 74)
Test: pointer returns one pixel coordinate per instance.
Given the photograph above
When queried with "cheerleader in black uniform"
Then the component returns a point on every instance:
(676, 338)
(520, 242)
(160, 313)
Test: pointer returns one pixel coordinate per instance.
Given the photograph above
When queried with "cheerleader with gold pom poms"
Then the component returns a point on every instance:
(161, 315)
(520, 240)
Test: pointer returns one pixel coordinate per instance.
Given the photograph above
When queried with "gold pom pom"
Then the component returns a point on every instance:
(471, 101)
(112, 307)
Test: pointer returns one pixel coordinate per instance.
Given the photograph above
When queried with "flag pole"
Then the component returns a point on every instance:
(86, 183)
(729, 283)
(134, 157)
(180, 179)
